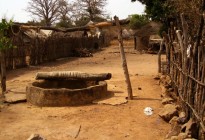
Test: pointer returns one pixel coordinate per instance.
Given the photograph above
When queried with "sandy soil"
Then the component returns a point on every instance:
(95, 122)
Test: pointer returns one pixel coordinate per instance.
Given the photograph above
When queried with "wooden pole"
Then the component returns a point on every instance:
(3, 72)
(124, 62)
(159, 56)
(82, 28)
(135, 42)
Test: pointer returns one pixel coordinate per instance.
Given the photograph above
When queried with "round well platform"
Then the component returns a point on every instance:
(65, 92)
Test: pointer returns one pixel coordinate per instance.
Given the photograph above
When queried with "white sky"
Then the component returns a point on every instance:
(15, 9)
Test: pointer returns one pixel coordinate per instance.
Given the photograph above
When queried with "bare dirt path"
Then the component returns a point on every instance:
(96, 122)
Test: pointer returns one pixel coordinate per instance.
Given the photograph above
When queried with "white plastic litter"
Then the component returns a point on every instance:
(148, 111)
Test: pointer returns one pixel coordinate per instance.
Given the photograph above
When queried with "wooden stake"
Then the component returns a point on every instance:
(135, 42)
(3, 72)
(124, 62)
(159, 56)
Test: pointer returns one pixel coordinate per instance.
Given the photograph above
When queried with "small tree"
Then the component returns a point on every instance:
(5, 43)
(137, 21)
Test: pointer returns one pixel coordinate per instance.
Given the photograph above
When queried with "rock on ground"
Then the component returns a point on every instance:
(175, 131)
(36, 137)
(168, 112)
(15, 98)
(167, 100)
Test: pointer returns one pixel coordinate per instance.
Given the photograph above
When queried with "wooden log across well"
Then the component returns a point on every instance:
(72, 75)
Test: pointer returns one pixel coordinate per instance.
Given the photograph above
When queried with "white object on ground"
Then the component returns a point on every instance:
(148, 111)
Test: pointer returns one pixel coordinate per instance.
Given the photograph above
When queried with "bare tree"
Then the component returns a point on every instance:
(45, 10)
(93, 9)
(65, 10)
(65, 14)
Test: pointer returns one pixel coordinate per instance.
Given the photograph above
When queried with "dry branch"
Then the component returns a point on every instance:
(186, 74)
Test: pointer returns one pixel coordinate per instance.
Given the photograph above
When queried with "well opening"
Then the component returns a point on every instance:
(67, 84)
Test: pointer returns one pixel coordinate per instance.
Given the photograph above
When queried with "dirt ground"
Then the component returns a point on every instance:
(94, 121)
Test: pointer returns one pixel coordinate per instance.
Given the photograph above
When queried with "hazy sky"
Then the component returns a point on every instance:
(16, 9)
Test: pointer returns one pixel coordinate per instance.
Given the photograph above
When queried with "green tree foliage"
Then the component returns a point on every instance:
(157, 9)
(137, 21)
(64, 23)
(36, 23)
(65, 11)
(5, 41)
(160, 10)
(82, 21)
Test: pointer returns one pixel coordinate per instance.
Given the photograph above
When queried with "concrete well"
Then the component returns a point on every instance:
(65, 92)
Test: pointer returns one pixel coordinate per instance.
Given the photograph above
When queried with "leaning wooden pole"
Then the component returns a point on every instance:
(124, 62)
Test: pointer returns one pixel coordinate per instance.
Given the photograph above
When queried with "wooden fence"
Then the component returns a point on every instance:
(186, 67)
(39, 50)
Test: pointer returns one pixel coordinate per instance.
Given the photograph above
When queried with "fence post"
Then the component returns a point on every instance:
(135, 42)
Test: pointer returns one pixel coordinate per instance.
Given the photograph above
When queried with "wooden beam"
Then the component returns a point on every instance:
(81, 28)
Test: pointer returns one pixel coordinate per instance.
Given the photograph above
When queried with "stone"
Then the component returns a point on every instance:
(174, 131)
(15, 98)
(173, 121)
(173, 95)
(190, 128)
(36, 137)
(182, 136)
(168, 112)
(182, 115)
(157, 77)
(174, 138)
(167, 100)
(163, 89)
(182, 118)
(116, 100)
(162, 77)
(170, 89)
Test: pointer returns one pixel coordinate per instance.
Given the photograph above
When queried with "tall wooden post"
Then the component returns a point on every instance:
(124, 62)
(3, 71)
(159, 56)
(135, 42)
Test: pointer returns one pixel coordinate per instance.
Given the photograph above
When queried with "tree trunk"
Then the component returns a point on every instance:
(3, 72)
(124, 62)
(72, 75)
